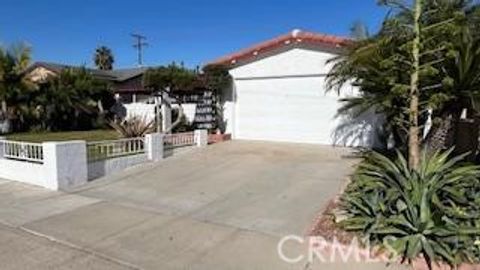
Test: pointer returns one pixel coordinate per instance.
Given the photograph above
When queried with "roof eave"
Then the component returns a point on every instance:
(296, 37)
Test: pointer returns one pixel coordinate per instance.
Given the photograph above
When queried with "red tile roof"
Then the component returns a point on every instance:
(294, 37)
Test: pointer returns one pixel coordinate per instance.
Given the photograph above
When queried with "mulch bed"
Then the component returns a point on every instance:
(325, 226)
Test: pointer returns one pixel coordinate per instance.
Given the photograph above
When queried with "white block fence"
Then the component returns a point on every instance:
(65, 165)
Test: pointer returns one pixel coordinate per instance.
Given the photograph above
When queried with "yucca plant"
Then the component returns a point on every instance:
(431, 212)
(133, 127)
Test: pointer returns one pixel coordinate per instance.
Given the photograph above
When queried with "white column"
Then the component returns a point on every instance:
(166, 117)
(154, 146)
(2, 145)
(201, 137)
(65, 164)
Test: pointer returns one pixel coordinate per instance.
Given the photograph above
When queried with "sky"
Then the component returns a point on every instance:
(190, 31)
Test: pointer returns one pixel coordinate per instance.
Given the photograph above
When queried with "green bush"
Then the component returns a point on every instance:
(434, 212)
(133, 127)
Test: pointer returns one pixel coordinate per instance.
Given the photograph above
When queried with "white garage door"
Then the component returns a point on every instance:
(286, 109)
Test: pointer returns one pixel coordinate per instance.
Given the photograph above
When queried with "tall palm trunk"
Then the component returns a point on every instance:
(4, 107)
(414, 129)
(5, 123)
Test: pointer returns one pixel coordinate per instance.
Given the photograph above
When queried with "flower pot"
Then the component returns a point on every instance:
(216, 138)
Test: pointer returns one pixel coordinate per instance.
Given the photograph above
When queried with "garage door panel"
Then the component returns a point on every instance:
(285, 110)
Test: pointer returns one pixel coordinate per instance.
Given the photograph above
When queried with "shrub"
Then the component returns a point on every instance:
(133, 127)
(433, 212)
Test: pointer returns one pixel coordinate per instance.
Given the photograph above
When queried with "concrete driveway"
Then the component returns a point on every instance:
(222, 207)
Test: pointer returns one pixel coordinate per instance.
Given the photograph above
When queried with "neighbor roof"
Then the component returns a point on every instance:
(124, 80)
(294, 38)
(117, 75)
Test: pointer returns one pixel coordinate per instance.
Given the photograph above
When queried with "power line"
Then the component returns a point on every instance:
(140, 43)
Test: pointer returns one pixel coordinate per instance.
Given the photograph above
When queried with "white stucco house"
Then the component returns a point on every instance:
(279, 93)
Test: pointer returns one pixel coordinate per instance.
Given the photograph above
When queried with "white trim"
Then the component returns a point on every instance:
(234, 111)
(293, 76)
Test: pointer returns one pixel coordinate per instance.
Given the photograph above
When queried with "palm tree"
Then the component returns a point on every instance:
(359, 31)
(379, 66)
(13, 82)
(461, 91)
(103, 58)
(71, 94)
(414, 96)
(367, 64)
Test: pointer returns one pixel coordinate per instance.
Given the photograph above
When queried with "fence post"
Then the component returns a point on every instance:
(201, 137)
(65, 164)
(154, 146)
(2, 146)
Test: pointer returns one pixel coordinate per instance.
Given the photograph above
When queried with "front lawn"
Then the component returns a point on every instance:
(92, 135)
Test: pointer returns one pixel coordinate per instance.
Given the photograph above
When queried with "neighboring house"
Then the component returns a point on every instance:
(126, 83)
(128, 88)
(279, 93)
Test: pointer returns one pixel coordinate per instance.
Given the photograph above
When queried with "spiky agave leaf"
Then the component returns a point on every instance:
(432, 212)
(133, 127)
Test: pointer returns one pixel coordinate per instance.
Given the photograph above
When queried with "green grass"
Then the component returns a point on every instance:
(92, 135)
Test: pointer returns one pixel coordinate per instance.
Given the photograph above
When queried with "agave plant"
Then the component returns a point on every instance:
(133, 127)
(432, 212)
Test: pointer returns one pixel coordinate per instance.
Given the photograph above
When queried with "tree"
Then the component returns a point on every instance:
(359, 31)
(164, 81)
(103, 58)
(461, 90)
(14, 85)
(167, 80)
(372, 65)
(216, 77)
(70, 100)
(424, 58)
(393, 79)
(414, 128)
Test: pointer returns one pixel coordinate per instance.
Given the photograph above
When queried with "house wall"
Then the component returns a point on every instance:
(189, 109)
(283, 98)
(293, 62)
(199, 110)
(140, 110)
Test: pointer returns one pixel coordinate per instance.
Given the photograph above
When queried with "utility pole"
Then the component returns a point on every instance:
(140, 43)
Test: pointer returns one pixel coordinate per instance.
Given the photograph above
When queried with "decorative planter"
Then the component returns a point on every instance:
(331, 248)
(420, 264)
(216, 138)
(333, 252)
